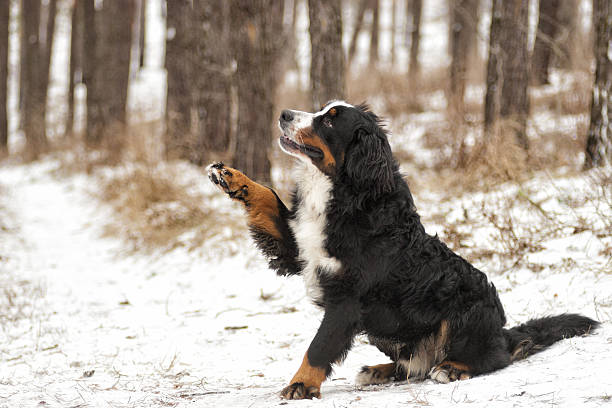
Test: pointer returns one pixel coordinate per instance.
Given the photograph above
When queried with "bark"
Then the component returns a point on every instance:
(464, 22)
(256, 44)
(414, 9)
(545, 43)
(4, 36)
(327, 61)
(199, 85)
(491, 107)
(514, 102)
(374, 33)
(35, 68)
(213, 73)
(76, 59)
(599, 137)
(180, 62)
(393, 30)
(108, 84)
(507, 75)
(363, 6)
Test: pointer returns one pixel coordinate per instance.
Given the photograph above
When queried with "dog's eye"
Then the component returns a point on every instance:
(332, 112)
(327, 122)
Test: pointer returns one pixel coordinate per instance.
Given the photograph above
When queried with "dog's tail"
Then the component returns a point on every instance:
(538, 334)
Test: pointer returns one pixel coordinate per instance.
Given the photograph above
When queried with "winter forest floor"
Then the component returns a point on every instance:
(88, 321)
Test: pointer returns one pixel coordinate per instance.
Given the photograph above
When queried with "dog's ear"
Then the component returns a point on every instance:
(369, 163)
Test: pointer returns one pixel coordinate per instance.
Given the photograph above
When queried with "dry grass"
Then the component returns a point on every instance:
(156, 210)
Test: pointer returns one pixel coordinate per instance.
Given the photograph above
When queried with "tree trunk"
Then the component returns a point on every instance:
(507, 69)
(108, 84)
(199, 86)
(545, 41)
(414, 9)
(142, 30)
(327, 63)
(4, 41)
(180, 62)
(375, 30)
(494, 68)
(464, 23)
(363, 6)
(393, 31)
(76, 59)
(599, 138)
(257, 44)
(514, 102)
(213, 73)
(35, 68)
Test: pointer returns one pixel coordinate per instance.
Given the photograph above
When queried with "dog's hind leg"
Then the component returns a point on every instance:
(267, 217)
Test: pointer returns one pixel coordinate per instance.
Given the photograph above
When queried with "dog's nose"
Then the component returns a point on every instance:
(286, 115)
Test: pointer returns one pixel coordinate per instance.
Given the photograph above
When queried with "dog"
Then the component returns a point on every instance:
(355, 236)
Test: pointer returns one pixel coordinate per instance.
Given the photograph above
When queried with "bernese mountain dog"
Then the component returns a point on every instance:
(355, 236)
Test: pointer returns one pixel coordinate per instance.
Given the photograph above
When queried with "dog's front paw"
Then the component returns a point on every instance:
(230, 181)
(300, 391)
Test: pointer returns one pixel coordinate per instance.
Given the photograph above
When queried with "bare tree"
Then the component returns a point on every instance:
(507, 69)
(327, 63)
(374, 32)
(76, 58)
(256, 43)
(494, 67)
(413, 12)
(599, 138)
(363, 6)
(545, 41)
(4, 37)
(199, 93)
(180, 63)
(107, 86)
(39, 27)
(463, 22)
(393, 30)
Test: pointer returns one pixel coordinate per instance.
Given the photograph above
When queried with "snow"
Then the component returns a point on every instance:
(103, 326)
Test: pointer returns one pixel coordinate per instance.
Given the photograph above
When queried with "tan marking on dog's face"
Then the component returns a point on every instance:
(308, 137)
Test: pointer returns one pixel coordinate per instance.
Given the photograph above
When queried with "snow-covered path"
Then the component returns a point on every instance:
(97, 326)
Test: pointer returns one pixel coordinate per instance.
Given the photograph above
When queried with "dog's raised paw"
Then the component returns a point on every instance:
(230, 181)
(298, 390)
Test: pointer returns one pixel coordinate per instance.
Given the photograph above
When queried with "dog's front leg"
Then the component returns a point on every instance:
(267, 217)
(333, 340)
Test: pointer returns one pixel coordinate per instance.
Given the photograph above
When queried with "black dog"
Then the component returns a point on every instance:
(354, 234)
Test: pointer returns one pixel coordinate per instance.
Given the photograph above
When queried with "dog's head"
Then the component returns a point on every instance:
(344, 142)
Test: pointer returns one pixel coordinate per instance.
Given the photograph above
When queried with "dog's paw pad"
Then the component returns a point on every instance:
(298, 390)
(228, 180)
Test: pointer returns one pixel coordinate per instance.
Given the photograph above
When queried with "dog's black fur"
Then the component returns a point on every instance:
(404, 288)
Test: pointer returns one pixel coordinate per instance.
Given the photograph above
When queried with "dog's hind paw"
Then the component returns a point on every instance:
(377, 374)
(448, 371)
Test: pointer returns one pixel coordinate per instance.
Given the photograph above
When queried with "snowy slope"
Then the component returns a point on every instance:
(99, 326)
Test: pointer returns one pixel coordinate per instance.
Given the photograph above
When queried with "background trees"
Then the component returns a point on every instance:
(225, 63)
(4, 42)
(599, 139)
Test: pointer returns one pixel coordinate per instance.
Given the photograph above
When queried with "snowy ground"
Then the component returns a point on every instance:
(86, 323)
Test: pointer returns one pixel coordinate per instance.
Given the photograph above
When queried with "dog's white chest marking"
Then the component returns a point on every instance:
(309, 227)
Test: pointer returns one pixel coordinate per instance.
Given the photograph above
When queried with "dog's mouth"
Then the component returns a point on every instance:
(291, 146)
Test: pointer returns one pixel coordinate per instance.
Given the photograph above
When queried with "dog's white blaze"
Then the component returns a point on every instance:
(332, 105)
(309, 226)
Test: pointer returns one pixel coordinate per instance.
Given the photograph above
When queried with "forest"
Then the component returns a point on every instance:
(127, 279)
